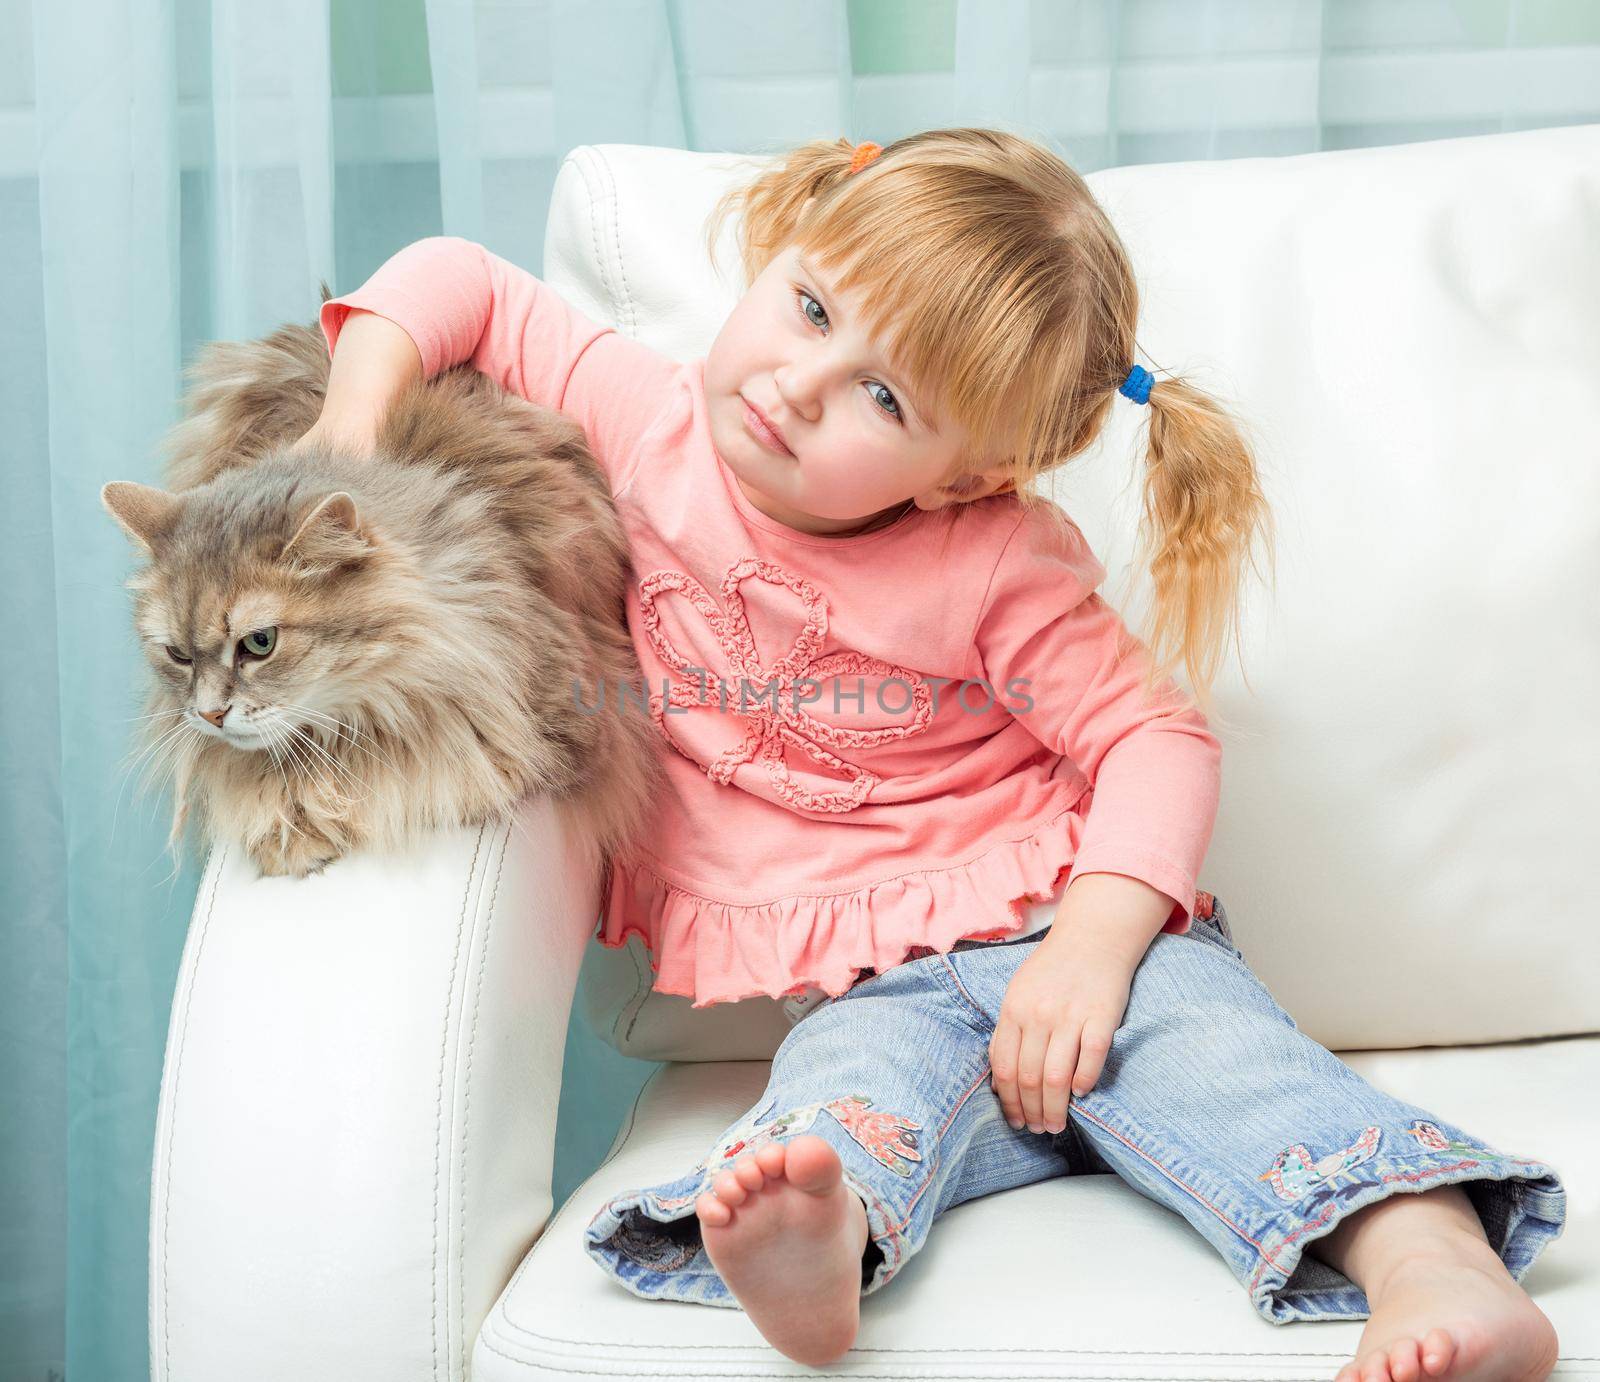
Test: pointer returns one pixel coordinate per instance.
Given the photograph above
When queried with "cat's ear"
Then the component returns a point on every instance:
(145, 513)
(328, 536)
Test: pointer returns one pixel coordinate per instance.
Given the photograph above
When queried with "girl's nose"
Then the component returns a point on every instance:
(801, 386)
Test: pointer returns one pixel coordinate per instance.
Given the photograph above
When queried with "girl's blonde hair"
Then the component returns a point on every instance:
(992, 277)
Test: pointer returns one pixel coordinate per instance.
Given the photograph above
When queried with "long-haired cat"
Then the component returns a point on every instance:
(348, 650)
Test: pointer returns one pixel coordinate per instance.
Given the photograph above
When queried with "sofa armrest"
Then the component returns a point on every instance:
(357, 1119)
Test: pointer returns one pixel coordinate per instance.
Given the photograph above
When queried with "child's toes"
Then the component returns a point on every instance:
(1438, 1352)
(770, 1158)
(1375, 1368)
(749, 1173)
(1405, 1362)
(712, 1211)
(727, 1188)
(1348, 1373)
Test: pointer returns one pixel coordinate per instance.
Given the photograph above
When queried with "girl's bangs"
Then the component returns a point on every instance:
(932, 307)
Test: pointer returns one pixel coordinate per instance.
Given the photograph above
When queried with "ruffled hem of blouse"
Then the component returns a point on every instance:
(719, 952)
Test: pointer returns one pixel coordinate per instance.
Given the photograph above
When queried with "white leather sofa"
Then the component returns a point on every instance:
(353, 1157)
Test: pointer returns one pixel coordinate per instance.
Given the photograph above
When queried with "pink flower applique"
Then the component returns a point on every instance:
(770, 696)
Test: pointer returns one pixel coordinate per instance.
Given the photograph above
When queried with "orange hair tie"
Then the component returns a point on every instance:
(864, 155)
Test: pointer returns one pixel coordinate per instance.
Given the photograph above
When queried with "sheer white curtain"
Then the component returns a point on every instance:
(1107, 82)
(271, 107)
(173, 171)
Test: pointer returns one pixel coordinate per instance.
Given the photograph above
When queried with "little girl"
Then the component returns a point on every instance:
(925, 784)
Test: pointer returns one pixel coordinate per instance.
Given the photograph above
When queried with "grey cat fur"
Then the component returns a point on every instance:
(442, 605)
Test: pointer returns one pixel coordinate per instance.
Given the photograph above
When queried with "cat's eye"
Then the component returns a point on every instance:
(260, 643)
(178, 657)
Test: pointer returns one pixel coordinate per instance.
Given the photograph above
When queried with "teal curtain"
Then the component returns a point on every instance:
(173, 171)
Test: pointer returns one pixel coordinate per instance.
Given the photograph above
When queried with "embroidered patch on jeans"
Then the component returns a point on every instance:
(1430, 1136)
(1295, 1175)
(746, 1138)
(887, 1137)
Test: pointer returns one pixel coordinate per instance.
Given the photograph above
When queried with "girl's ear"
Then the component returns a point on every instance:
(995, 480)
(966, 488)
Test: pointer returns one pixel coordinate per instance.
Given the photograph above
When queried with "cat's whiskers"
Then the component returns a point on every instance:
(288, 791)
(319, 719)
(296, 774)
(175, 758)
(368, 744)
(153, 747)
(153, 715)
(170, 769)
(308, 767)
(138, 751)
(331, 761)
(365, 742)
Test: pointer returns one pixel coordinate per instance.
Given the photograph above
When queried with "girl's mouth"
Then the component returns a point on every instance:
(763, 431)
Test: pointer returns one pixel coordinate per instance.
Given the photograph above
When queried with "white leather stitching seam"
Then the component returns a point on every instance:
(438, 1112)
(466, 1109)
(172, 1124)
(568, 1367)
(583, 157)
(626, 307)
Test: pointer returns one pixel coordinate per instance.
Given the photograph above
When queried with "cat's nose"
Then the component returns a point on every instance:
(216, 716)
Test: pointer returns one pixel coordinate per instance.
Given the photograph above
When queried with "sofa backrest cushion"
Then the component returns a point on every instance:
(1411, 769)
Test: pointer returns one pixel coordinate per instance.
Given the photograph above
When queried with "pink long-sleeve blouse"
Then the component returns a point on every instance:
(874, 742)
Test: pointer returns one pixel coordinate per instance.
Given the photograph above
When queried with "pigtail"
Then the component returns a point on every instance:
(1203, 506)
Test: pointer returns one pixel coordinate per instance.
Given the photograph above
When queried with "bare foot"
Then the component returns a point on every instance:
(787, 1234)
(1453, 1314)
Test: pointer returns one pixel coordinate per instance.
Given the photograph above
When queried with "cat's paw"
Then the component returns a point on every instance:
(300, 858)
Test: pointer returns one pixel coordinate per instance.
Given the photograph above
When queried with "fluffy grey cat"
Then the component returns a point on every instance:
(349, 650)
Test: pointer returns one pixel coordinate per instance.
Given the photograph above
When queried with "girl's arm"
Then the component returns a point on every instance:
(1155, 771)
(377, 361)
(457, 303)
(1155, 768)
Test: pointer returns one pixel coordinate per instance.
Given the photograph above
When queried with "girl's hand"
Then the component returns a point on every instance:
(1060, 1011)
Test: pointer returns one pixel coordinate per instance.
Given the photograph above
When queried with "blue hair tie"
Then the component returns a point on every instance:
(1137, 385)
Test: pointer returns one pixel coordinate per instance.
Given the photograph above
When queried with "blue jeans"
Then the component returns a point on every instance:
(1212, 1102)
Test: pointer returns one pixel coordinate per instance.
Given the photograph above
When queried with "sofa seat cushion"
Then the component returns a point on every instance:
(1068, 1278)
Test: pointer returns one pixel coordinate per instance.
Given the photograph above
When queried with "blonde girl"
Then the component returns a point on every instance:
(925, 786)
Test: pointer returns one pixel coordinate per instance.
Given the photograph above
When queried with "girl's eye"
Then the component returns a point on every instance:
(894, 410)
(260, 643)
(801, 298)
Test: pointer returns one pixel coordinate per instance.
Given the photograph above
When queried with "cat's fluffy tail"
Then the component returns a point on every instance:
(243, 398)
